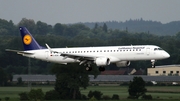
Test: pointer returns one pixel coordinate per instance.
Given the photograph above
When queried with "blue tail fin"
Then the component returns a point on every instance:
(29, 42)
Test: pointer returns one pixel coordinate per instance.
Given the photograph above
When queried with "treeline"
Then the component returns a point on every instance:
(76, 35)
(140, 25)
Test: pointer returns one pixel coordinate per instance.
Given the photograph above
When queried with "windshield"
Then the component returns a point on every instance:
(157, 49)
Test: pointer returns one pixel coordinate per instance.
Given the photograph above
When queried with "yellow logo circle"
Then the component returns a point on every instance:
(27, 39)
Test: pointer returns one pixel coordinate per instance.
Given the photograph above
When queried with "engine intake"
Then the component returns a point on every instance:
(102, 61)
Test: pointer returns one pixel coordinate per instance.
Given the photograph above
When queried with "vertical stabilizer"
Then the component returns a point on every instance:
(29, 42)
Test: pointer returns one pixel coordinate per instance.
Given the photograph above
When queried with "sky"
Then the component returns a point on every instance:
(74, 11)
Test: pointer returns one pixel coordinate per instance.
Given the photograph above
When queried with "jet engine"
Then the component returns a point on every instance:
(123, 63)
(102, 61)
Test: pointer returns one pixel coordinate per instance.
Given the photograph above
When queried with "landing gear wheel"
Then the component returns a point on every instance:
(153, 66)
(101, 69)
(88, 68)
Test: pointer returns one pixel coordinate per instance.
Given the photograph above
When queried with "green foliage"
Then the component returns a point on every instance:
(106, 97)
(83, 97)
(6, 98)
(3, 77)
(137, 87)
(147, 97)
(23, 96)
(36, 94)
(19, 81)
(105, 28)
(69, 78)
(52, 95)
(115, 97)
(96, 94)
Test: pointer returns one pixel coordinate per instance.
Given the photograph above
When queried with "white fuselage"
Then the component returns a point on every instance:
(114, 53)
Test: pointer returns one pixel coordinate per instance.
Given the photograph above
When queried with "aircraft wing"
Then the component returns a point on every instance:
(80, 57)
(20, 52)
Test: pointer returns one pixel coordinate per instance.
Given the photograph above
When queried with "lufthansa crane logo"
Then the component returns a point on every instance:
(27, 39)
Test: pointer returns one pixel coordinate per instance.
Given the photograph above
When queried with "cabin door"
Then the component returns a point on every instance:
(46, 54)
(147, 50)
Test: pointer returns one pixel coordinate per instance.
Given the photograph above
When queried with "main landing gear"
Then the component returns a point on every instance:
(89, 68)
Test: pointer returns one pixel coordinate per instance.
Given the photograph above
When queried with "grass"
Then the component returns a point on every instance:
(13, 92)
(158, 92)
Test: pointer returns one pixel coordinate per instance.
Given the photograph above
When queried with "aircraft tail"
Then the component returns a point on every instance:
(29, 42)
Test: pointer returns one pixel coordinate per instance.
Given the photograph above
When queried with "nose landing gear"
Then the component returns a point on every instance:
(153, 63)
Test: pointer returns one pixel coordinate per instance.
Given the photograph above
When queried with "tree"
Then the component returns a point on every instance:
(96, 94)
(69, 78)
(29, 23)
(58, 29)
(137, 87)
(23, 96)
(52, 95)
(20, 82)
(36, 94)
(3, 77)
(42, 28)
(105, 29)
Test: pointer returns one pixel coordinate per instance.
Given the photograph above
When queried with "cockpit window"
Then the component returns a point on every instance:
(157, 49)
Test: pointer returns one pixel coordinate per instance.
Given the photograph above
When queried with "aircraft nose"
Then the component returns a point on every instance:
(166, 55)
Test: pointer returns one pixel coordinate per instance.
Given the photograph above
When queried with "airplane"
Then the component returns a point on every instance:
(101, 56)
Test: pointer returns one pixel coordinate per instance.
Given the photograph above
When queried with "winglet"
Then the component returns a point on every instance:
(48, 47)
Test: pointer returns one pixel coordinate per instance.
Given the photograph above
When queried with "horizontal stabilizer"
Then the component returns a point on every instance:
(20, 52)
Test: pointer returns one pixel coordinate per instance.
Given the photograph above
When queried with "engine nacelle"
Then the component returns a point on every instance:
(123, 63)
(102, 61)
